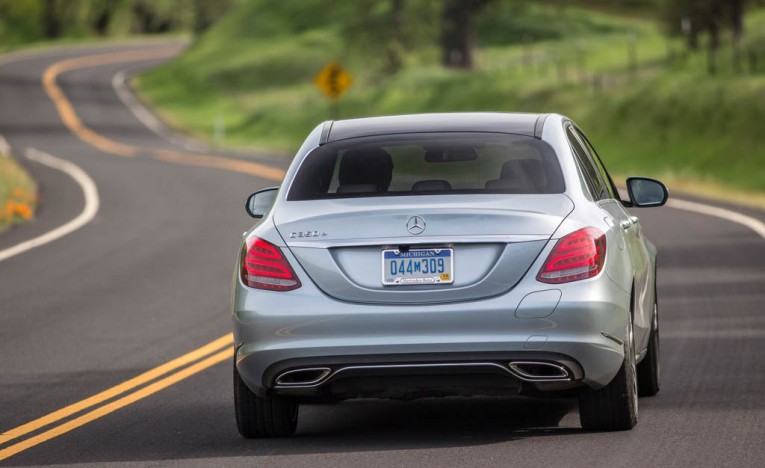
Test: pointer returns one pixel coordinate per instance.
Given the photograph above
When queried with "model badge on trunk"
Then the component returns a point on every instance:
(295, 235)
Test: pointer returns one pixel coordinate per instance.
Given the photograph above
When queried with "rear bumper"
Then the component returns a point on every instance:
(279, 332)
(408, 376)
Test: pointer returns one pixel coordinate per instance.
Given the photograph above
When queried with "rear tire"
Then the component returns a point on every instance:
(649, 369)
(615, 406)
(262, 417)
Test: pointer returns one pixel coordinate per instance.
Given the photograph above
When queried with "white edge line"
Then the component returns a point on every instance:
(151, 121)
(89, 211)
(752, 223)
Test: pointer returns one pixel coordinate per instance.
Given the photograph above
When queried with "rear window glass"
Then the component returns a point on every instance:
(427, 164)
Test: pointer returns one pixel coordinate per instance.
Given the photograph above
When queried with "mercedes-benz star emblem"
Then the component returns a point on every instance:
(415, 225)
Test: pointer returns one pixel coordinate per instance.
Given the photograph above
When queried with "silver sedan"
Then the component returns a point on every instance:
(446, 255)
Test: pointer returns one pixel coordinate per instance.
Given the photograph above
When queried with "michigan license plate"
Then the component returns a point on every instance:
(417, 266)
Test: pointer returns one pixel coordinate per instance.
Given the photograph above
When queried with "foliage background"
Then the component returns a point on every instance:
(684, 105)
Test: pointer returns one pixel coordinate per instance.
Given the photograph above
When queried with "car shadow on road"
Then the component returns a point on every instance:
(379, 425)
(436, 419)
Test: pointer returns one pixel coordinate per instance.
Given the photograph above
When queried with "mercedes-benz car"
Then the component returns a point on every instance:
(439, 255)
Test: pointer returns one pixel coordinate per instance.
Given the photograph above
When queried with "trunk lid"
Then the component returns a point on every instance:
(495, 239)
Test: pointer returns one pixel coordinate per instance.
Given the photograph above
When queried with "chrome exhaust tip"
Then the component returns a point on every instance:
(303, 377)
(536, 371)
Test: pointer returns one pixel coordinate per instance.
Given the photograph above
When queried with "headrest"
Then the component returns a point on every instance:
(530, 170)
(366, 166)
(431, 185)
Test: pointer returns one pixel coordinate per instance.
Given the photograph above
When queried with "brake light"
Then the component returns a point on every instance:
(577, 256)
(265, 267)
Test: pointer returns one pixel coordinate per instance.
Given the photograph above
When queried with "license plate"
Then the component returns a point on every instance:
(417, 266)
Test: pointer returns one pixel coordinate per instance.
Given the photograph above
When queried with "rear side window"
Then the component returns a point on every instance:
(613, 192)
(422, 164)
(594, 184)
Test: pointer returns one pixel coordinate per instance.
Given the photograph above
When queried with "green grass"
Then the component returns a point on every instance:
(668, 118)
(18, 193)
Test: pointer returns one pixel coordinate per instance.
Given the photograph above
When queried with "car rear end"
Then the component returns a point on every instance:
(425, 264)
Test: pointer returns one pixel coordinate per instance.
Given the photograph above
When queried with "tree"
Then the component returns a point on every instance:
(51, 19)
(100, 15)
(705, 16)
(390, 29)
(59, 16)
(736, 12)
(457, 32)
(207, 12)
(694, 17)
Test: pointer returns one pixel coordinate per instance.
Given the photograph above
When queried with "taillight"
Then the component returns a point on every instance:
(264, 267)
(577, 256)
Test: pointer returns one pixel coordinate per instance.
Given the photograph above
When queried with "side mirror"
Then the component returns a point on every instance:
(261, 201)
(645, 192)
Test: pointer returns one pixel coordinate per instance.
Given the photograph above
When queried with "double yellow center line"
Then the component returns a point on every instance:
(172, 372)
(133, 390)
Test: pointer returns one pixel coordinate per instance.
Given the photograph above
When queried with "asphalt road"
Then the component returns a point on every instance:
(148, 279)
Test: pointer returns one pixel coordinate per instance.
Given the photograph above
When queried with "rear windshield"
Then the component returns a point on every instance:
(428, 164)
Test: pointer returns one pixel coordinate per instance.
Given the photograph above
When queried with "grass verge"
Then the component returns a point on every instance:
(658, 114)
(18, 193)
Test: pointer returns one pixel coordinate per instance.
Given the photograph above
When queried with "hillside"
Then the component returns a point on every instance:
(653, 111)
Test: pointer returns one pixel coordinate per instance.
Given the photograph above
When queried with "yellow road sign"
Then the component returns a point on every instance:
(333, 80)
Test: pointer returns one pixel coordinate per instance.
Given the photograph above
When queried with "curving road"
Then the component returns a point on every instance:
(146, 281)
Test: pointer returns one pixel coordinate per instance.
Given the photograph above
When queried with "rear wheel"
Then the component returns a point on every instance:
(648, 371)
(615, 406)
(262, 417)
